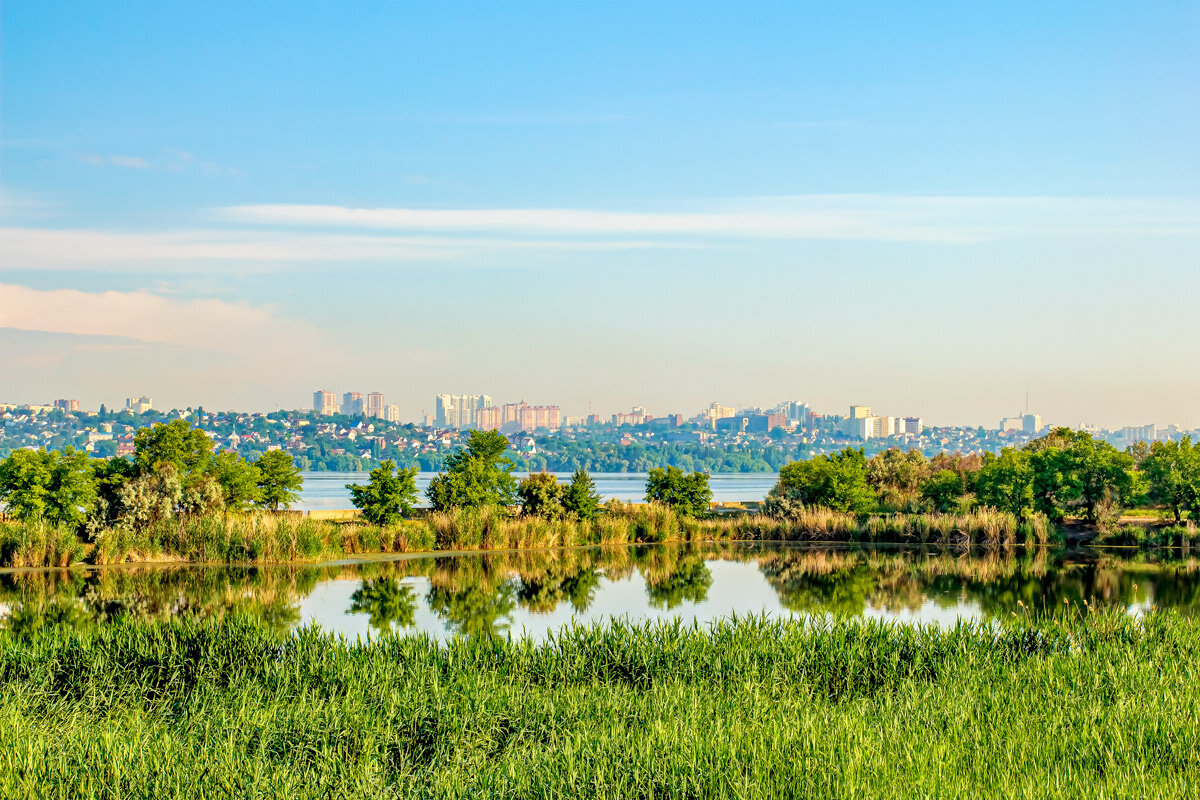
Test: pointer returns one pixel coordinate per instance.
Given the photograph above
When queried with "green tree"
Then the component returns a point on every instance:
(279, 480)
(237, 478)
(1104, 476)
(943, 490)
(57, 487)
(177, 443)
(150, 498)
(837, 481)
(1054, 480)
(1005, 482)
(388, 496)
(580, 497)
(109, 477)
(541, 495)
(1172, 470)
(689, 495)
(25, 484)
(476, 475)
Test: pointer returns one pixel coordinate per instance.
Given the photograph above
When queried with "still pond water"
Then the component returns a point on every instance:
(327, 490)
(533, 593)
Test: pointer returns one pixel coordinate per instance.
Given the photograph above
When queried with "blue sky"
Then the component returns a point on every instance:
(928, 208)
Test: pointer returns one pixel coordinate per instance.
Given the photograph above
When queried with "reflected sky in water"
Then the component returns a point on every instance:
(533, 593)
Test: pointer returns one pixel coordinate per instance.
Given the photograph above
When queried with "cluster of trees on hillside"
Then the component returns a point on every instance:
(1065, 473)
(174, 471)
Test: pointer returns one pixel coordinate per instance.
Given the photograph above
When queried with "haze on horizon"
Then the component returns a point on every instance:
(929, 209)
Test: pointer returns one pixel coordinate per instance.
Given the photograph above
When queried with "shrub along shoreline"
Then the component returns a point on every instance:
(1082, 704)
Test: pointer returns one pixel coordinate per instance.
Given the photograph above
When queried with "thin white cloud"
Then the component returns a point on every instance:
(126, 162)
(54, 249)
(834, 217)
(129, 162)
(196, 324)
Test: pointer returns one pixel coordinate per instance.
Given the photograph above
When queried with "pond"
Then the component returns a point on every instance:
(533, 593)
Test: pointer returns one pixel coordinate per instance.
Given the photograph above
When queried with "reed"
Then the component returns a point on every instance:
(1069, 705)
(39, 544)
(284, 538)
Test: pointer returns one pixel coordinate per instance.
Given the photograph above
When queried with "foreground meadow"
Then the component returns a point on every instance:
(1084, 705)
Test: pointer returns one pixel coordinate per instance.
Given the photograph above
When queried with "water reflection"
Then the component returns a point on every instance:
(533, 593)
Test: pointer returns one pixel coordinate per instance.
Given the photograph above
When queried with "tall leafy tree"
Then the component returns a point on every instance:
(476, 475)
(541, 495)
(388, 496)
(279, 480)
(837, 481)
(238, 479)
(1172, 470)
(943, 490)
(688, 494)
(177, 443)
(1006, 482)
(580, 497)
(1104, 476)
(57, 487)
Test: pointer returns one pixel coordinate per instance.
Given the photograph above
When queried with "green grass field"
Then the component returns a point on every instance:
(1087, 705)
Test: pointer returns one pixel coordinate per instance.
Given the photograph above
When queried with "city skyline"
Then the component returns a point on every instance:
(922, 207)
(860, 420)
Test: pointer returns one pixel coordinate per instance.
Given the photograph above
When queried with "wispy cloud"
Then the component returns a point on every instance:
(170, 160)
(847, 217)
(126, 162)
(271, 237)
(196, 324)
(27, 248)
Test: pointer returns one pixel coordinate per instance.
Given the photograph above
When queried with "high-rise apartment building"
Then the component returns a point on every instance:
(67, 405)
(138, 405)
(392, 413)
(352, 404)
(1031, 423)
(913, 426)
(374, 406)
(1139, 433)
(532, 418)
(860, 412)
(324, 402)
(459, 410)
(870, 427)
(488, 419)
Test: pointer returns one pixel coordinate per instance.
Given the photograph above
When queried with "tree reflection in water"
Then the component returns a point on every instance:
(475, 610)
(387, 602)
(689, 581)
(477, 594)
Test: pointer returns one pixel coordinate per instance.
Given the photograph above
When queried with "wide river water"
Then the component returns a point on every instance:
(327, 490)
(534, 593)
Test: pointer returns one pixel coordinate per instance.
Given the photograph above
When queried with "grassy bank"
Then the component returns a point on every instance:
(1090, 706)
(266, 538)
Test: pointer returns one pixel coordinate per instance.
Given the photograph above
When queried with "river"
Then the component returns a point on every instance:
(327, 490)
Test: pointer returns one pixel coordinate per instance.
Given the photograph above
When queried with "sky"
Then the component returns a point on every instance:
(929, 208)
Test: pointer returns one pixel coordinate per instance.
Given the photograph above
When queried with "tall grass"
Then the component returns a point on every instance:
(39, 544)
(267, 538)
(1078, 705)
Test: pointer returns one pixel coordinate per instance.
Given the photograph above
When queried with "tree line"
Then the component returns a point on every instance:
(1066, 473)
(174, 471)
(481, 474)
